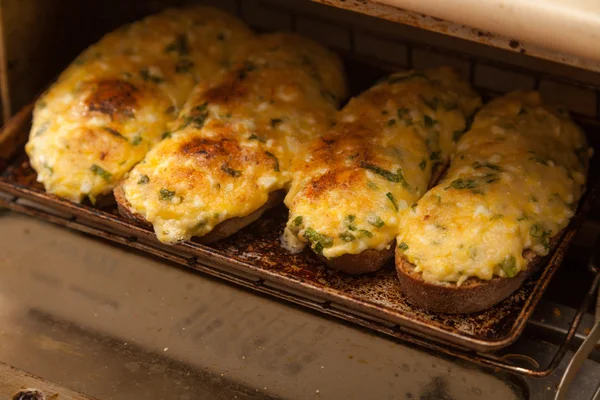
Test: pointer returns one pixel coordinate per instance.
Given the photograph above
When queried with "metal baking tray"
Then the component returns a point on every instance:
(254, 258)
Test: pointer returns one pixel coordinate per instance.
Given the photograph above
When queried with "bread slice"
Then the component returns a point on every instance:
(372, 260)
(473, 295)
(220, 231)
(369, 260)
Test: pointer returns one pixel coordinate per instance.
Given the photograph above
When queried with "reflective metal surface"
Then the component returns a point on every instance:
(113, 324)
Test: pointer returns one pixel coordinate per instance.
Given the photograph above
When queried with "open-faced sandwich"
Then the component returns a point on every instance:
(352, 184)
(512, 187)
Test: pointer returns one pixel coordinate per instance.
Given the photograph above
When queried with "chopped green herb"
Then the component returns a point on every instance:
(143, 180)
(350, 218)
(398, 177)
(463, 184)
(347, 237)
(275, 160)
(390, 196)
(522, 218)
(435, 155)
(391, 122)
(230, 171)
(180, 45)
(165, 194)
(166, 134)
(372, 185)
(136, 140)
(183, 66)
(403, 246)
(431, 103)
(255, 137)
(365, 232)
(43, 128)
(200, 224)
(246, 68)
(297, 221)
(414, 207)
(101, 172)
(540, 160)
(539, 232)
(275, 122)
(428, 121)
(148, 77)
(522, 111)
(41, 104)
(478, 165)
(423, 164)
(113, 132)
(318, 241)
(375, 221)
(509, 266)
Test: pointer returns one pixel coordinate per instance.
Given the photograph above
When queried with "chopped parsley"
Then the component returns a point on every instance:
(435, 155)
(372, 185)
(375, 221)
(403, 115)
(180, 45)
(431, 103)
(275, 122)
(539, 232)
(398, 177)
(365, 232)
(509, 266)
(463, 184)
(197, 116)
(143, 180)
(390, 196)
(148, 77)
(245, 69)
(478, 165)
(347, 236)
(423, 164)
(113, 132)
(166, 134)
(318, 241)
(403, 246)
(255, 137)
(183, 66)
(275, 160)
(166, 194)
(297, 221)
(540, 160)
(391, 122)
(101, 172)
(428, 121)
(136, 140)
(230, 171)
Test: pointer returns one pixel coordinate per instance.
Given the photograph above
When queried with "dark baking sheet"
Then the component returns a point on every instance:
(254, 255)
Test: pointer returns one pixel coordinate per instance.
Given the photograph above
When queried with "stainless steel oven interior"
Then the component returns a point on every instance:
(40, 38)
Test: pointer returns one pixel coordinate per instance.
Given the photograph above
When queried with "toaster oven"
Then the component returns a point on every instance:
(534, 342)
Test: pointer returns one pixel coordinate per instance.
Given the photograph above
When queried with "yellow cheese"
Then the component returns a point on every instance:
(351, 185)
(513, 184)
(113, 103)
(235, 139)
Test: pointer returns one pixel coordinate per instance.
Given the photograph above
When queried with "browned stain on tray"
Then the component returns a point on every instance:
(259, 245)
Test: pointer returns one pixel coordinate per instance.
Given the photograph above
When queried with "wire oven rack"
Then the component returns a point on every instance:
(253, 259)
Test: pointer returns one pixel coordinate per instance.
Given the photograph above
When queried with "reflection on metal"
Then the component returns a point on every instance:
(254, 259)
(394, 14)
(114, 323)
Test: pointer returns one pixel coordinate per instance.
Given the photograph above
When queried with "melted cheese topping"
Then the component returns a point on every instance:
(513, 185)
(351, 185)
(113, 103)
(234, 142)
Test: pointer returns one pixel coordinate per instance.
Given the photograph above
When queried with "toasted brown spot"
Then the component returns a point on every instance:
(113, 97)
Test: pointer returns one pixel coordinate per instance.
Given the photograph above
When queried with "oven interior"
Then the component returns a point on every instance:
(40, 39)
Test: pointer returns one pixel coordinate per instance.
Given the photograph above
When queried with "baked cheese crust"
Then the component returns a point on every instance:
(513, 184)
(113, 103)
(351, 185)
(234, 142)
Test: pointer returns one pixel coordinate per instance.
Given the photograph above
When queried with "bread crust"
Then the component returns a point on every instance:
(367, 261)
(220, 231)
(471, 296)
(372, 260)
